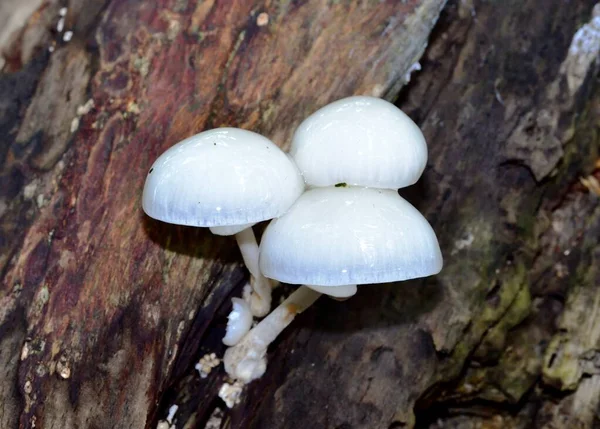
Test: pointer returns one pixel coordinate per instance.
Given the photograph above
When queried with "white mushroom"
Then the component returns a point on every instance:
(227, 179)
(239, 322)
(335, 238)
(360, 141)
(348, 236)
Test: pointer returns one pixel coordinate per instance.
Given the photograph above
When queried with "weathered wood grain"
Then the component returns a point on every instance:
(492, 67)
(101, 308)
(103, 312)
(549, 225)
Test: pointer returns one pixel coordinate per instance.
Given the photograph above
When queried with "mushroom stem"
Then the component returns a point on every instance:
(260, 299)
(247, 361)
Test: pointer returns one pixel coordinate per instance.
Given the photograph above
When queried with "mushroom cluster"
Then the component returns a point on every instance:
(350, 228)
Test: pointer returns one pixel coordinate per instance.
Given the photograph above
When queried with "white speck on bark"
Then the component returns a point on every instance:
(172, 410)
(231, 393)
(415, 67)
(206, 364)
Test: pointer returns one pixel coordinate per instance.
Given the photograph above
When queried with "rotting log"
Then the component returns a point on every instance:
(102, 309)
(104, 312)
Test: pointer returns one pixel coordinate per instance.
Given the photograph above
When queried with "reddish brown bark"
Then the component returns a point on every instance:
(108, 306)
(104, 312)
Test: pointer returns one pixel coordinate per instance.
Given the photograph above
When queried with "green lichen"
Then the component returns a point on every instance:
(508, 304)
(506, 294)
(516, 369)
(561, 367)
(578, 338)
(494, 340)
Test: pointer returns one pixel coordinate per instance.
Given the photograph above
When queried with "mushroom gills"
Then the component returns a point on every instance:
(345, 291)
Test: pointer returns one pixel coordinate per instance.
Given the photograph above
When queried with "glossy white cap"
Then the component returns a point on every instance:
(360, 141)
(221, 177)
(341, 236)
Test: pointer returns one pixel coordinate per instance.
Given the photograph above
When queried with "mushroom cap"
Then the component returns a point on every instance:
(341, 236)
(221, 177)
(360, 141)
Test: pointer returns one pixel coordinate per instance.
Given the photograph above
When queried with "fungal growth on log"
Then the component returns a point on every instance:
(337, 237)
(331, 239)
(113, 319)
(226, 179)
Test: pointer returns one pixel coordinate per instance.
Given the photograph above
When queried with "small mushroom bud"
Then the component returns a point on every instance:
(239, 322)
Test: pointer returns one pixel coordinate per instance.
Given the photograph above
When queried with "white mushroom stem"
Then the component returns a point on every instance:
(247, 361)
(260, 299)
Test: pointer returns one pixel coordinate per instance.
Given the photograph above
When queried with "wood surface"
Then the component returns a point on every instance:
(104, 312)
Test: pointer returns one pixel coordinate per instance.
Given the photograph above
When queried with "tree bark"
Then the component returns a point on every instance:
(104, 312)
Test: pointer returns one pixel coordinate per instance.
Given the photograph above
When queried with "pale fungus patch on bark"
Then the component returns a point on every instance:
(231, 393)
(464, 242)
(172, 411)
(29, 190)
(40, 200)
(63, 369)
(206, 364)
(215, 420)
(82, 110)
(133, 108)
(60, 25)
(414, 68)
(25, 351)
(262, 19)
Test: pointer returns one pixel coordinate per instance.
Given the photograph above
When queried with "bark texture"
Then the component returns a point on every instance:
(104, 312)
